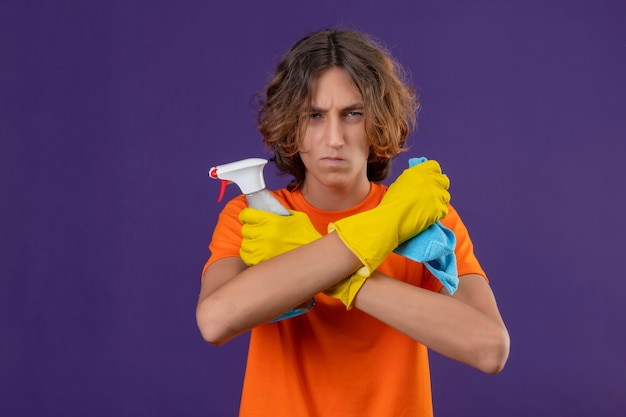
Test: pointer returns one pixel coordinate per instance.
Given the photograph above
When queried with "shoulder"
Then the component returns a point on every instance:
(378, 190)
(228, 219)
(466, 260)
(235, 205)
(453, 222)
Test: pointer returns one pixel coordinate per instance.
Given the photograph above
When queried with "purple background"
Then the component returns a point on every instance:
(112, 113)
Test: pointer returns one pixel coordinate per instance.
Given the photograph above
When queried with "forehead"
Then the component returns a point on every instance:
(333, 86)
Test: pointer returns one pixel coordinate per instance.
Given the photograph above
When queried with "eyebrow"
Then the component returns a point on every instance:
(351, 107)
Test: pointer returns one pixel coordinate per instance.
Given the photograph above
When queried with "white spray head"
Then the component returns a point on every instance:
(246, 173)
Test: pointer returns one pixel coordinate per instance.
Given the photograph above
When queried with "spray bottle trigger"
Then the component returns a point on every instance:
(223, 184)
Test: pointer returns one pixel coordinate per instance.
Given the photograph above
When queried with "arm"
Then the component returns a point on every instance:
(466, 327)
(234, 298)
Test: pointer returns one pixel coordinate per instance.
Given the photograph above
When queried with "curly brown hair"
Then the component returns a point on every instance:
(390, 104)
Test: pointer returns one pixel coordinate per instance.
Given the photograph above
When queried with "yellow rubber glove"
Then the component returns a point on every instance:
(266, 235)
(418, 198)
(346, 289)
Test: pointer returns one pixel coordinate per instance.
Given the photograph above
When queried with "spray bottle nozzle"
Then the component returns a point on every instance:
(247, 174)
(223, 183)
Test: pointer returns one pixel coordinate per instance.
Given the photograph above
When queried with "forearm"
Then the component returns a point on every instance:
(260, 293)
(453, 327)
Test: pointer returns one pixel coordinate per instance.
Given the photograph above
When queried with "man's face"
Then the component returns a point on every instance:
(334, 147)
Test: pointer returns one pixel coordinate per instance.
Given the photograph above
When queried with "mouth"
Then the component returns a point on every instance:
(333, 163)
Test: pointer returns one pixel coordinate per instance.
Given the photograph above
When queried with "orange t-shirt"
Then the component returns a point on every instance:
(332, 361)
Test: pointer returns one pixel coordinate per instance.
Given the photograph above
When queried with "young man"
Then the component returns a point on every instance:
(336, 113)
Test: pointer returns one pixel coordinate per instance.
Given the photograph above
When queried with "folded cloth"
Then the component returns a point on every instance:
(434, 247)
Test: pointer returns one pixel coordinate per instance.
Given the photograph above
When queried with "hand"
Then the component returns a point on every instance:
(418, 198)
(266, 235)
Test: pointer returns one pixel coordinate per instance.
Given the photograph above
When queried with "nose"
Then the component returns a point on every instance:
(334, 134)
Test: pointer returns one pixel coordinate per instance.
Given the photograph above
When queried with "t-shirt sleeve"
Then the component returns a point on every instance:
(466, 260)
(226, 240)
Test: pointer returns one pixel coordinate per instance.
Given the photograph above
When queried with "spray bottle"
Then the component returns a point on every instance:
(247, 174)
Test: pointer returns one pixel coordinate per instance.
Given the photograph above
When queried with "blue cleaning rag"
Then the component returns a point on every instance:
(434, 247)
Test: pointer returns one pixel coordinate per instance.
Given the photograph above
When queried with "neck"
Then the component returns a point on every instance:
(332, 199)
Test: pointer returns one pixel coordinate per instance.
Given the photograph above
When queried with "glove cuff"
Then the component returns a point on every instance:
(363, 235)
(347, 289)
(332, 227)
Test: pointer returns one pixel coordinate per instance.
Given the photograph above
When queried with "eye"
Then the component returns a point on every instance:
(353, 116)
(314, 116)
